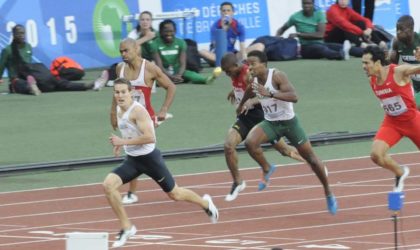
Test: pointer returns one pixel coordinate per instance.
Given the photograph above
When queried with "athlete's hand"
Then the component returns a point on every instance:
(115, 140)
(231, 97)
(246, 107)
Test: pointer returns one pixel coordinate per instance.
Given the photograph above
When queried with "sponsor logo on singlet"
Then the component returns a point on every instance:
(383, 91)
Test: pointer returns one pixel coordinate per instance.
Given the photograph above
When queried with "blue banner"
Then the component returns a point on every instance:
(252, 14)
(87, 31)
(90, 31)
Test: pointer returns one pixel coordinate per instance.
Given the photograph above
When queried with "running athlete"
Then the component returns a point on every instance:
(404, 46)
(142, 157)
(142, 74)
(276, 95)
(244, 123)
(392, 85)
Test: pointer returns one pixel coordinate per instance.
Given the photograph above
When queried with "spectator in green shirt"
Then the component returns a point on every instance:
(27, 77)
(169, 54)
(12, 56)
(310, 29)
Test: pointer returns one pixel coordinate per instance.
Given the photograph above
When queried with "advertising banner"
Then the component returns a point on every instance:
(90, 31)
(87, 31)
(251, 13)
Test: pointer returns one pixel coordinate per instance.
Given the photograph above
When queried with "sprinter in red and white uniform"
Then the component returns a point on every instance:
(393, 87)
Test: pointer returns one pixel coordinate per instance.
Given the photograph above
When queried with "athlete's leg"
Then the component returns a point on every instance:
(306, 151)
(380, 156)
(133, 186)
(253, 142)
(286, 150)
(386, 137)
(233, 138)
(185, 194)
(111, 185)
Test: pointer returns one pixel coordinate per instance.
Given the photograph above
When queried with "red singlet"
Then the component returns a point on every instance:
(401, 115)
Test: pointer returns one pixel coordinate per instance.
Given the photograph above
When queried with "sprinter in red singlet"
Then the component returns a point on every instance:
(393, 87)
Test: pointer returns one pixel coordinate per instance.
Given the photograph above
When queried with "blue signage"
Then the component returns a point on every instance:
(87, 31)
(252, 14)
(90, 31)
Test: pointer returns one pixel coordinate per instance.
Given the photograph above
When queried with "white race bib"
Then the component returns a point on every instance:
(394, 106)
(138, 96)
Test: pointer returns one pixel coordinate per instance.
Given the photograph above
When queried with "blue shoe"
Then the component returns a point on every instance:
(332, 204)
(264, 183)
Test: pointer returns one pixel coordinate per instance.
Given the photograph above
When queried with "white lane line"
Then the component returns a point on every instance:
(205, 173)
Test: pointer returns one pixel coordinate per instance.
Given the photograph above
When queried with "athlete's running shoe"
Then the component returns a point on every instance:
(124, 235)
(211, 211)
(129, 198)
(266, 178)
(99, 83)
(332, 204)
(234, 192)
(399, 180)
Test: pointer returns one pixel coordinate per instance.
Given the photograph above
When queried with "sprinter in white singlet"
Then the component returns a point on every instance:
(277, 95)
(142, 73)
(142, 157)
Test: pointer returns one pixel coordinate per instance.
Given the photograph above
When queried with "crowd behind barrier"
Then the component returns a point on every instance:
(91, 35)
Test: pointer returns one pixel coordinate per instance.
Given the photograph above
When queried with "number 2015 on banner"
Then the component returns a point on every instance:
(32, 30)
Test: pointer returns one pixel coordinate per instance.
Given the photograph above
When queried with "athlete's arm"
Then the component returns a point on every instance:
(164, 82)
(403, 72)
(231, 97)
(394, 56)
(142, 119)
(249, 93)
(118, 69)
(286, 90)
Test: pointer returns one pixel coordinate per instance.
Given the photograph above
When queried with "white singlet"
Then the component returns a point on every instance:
(143, 91)
(275, 109)
(130, 130)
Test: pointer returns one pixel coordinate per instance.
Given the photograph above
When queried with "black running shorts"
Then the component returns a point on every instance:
(151, 164)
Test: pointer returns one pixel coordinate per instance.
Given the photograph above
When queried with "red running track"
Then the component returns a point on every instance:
(290, 214)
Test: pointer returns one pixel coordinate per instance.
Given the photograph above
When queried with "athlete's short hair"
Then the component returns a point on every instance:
(376, 52)
(260, 54)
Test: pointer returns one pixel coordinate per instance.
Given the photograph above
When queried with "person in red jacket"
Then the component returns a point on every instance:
(346, 24)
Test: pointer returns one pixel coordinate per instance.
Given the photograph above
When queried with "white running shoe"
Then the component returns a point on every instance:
(33, 87)
(346, 49)
(234, 192)
(129, 198)
(211, 211)
(399, 180)
(124, 235)
(168, 116)
(110, 83)
(101, 81)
